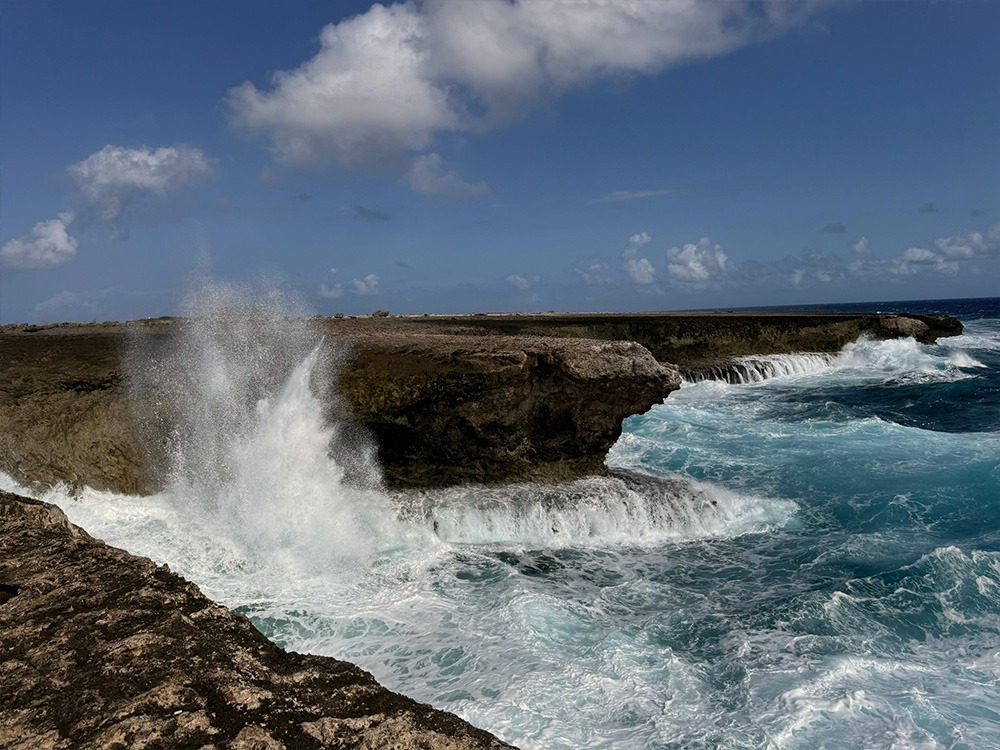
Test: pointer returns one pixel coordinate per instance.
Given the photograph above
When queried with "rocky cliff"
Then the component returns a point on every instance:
(102, 649)
(485, 398)
(443, 405)
(695, 339)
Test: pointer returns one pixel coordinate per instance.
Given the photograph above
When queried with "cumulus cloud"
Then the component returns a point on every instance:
(698, 263)
(427, 175)
(948, 254)
(970, 245)
(328, 288)
(640, 270)
(861, 249)
(835, 227)
(927, 208)
(812, 268)
(386, 81)
(521, 282)
(49, 245)
(640, 239)
(59, 303)
(596, 274)
(364, 286)
(921, 261)
(113, 175)
(371, 89)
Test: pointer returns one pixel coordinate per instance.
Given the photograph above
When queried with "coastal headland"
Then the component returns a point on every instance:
(444, 399)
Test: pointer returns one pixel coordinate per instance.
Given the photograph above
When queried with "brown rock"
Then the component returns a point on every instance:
(101, 649)
(483, 398)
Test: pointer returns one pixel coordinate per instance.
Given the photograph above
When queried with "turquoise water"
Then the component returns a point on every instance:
(871, 619)
(808, 561)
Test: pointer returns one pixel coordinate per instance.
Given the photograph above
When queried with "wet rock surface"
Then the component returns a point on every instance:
(102, 649)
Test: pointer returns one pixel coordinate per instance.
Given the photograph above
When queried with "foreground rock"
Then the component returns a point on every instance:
(483, 398)
(101, 649)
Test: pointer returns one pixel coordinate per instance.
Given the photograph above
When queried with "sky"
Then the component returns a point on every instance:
(461, 156)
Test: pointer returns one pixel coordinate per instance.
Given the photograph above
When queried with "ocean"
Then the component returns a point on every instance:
(807, 559)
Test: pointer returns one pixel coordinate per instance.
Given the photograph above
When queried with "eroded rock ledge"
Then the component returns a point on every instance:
(483, 398)
(102, 649)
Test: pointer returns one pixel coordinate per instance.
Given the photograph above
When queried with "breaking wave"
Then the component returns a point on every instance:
(898, 359)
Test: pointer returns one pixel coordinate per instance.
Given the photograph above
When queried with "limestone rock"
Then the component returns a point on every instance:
(102, 649)
(482, 398)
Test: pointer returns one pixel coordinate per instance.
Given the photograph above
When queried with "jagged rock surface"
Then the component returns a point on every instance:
(102, 649)
(693, 339)
(444, 405)
(467, 408)
(483, 398)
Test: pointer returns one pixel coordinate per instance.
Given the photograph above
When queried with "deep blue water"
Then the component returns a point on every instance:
(815, 562)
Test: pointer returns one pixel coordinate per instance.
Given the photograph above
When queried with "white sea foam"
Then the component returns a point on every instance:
(983, 335)
(601, 511)
(899, 359)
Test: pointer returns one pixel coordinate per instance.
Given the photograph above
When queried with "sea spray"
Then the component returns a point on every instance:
(252, 450)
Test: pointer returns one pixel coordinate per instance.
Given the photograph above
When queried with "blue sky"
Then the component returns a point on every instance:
(479, 155)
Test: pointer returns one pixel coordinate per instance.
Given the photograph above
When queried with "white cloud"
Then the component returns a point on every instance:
(385, 81)
(521, 282)
(824, 269)
(55, 305)
(330, 290)
(948, 255)
(50, 245)
(640, 270)
(110, 177)
(370, 89)
(640, 239)
(861, 248)
(427, 175)
(920, 260)
(597, 274)
(366, 285)
(698, 263)
(920, 255)
(970, 245)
